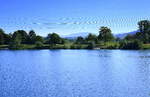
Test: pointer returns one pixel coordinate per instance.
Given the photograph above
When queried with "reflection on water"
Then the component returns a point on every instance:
(74, 73)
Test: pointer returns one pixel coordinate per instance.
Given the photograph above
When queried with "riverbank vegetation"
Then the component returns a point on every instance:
(20, 39)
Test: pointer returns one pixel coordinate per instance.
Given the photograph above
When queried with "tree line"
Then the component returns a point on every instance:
(20, 37)
(105, 39)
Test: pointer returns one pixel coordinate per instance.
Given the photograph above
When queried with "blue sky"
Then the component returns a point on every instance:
(72, 16)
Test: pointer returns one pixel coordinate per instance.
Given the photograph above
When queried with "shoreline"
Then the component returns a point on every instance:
(51, 48)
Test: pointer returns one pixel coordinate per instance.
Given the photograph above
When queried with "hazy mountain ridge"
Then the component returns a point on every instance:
(75, 35)
(84, 34)
(122, 35)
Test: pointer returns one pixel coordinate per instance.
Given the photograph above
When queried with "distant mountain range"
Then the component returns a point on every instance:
(75, 35)
(122, 35)
(84, 34)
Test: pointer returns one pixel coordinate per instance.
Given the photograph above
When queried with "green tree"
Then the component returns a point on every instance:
(39, 39)
(105, 34)
(91, 45)
(144, 31)
(32, 37)
(135, 44)
(79, 40)
(54, 38)
(7, 38)
(129, 37)
(139, 36)
(15, 41)
(39, 44)
(91, 38)
(144, 26)
(23, 36)
(63, 41)
(2, 39)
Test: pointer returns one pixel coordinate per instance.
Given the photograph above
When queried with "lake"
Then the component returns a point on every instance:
(75, 73)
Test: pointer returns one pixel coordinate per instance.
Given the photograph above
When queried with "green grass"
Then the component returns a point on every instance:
(146, 46)
(108, 45)
(3, 46)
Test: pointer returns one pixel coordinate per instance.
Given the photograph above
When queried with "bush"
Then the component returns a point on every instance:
(136, 44)
(39, 44)
(91, 45)
(15, 46)
(76, 46)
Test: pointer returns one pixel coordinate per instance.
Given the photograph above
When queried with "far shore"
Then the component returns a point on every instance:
(21, 39)
(68, 46)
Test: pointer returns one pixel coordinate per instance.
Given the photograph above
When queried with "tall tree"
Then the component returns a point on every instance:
(7, 38)
(80, 40)
(91, 38)
(144, 34)
(54, 38)
(39, 39)
(144, 26)
(32, 37)
(23, 36)
(15, 40)
(2, 39)
(105, 34)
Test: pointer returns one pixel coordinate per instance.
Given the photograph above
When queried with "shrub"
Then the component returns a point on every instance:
(136, 44)
(91, 45)
(39, 44)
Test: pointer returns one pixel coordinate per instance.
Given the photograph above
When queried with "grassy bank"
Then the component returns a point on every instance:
(108, 45)
(146, 46)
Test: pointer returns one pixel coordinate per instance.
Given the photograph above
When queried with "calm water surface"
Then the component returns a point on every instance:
(74, 73)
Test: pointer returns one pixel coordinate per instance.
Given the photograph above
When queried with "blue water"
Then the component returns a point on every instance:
(74, 73)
